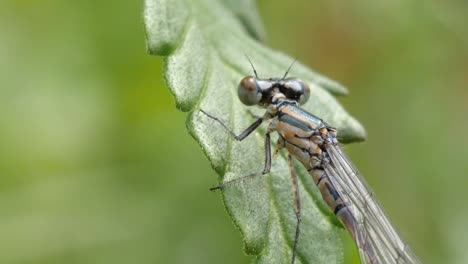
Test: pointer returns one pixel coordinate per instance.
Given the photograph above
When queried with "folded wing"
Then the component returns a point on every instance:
(377, 240)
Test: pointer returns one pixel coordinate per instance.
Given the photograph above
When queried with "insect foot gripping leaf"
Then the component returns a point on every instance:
(203, 43)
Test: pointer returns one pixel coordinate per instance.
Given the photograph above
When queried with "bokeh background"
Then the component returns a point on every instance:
(96, 165)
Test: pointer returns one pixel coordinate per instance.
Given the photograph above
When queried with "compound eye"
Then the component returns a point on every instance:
(248, 91)
(297, 90)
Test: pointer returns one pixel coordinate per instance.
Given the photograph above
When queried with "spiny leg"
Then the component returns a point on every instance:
(266, 168)
(297, 205)
(242, 135)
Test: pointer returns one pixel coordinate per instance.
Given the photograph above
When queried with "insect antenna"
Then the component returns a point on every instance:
(290, 66)
(251, 64)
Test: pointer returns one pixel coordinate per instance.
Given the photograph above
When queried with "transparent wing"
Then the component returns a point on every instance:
(377, 240)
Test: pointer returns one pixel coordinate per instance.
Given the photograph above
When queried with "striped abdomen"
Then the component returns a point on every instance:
(300, 135)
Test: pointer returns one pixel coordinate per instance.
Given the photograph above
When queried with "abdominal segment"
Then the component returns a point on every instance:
(307, 149)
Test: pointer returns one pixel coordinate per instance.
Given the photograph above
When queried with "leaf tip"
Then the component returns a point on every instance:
(353, 132)
(164, 22)
(161, 48)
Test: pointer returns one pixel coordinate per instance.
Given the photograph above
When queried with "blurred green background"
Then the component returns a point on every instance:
(96, 165)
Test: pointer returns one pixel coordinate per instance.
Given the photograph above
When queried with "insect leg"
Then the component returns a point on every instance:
(266, 168)
(297, 205)
(242, 135)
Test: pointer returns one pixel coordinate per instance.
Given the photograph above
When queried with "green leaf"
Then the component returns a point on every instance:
(204, 42)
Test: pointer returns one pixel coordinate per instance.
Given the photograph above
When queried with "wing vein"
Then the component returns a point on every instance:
(373, 230)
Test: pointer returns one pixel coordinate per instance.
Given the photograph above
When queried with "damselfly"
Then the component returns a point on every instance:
(314, 143)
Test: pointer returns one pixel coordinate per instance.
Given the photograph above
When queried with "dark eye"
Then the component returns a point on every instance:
(248, 91)
(297, 90)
